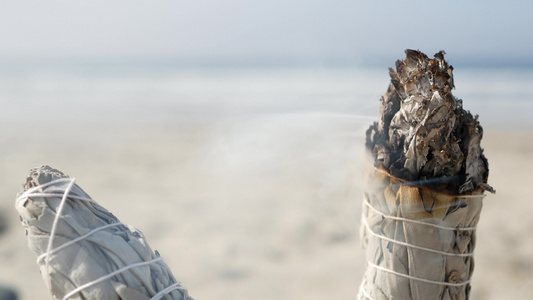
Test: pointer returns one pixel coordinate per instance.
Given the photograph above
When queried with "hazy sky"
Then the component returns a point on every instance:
(313, 31)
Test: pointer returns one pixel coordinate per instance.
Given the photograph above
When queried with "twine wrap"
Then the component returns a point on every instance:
(419, 243)
(84, 251)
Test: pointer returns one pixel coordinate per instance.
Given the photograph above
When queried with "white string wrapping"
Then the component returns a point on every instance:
(40, 194)
(382, 237)
(376, 241)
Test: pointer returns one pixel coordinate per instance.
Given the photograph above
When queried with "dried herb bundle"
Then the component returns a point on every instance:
(83, 250)
(424, 133)
(424, 191)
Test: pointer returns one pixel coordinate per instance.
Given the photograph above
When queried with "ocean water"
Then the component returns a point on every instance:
(147, 93)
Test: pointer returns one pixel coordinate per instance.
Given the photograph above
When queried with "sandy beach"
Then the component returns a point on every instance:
(253, 207)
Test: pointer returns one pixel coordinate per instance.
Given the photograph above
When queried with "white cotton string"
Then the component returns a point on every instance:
(365, 202)
(32, 193)
(166, 291)
(44, 195)
(105, 277)
(382, 237)
(442, 283)
(74, 241)
(53, 232)
(365, 293)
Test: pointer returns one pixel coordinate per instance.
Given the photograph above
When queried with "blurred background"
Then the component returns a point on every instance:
(232, 132)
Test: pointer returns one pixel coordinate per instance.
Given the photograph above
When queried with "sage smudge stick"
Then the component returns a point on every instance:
(424, 187)
(83, 250)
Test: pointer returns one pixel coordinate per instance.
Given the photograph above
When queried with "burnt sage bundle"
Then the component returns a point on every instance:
(84, 251)
(424, 188)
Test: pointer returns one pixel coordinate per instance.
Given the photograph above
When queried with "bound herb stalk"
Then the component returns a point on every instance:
(424, 188)
(83, 250)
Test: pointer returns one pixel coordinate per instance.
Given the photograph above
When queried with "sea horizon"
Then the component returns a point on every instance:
(84, 89)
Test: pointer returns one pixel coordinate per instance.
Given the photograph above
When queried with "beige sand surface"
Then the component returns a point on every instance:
(256, 207)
